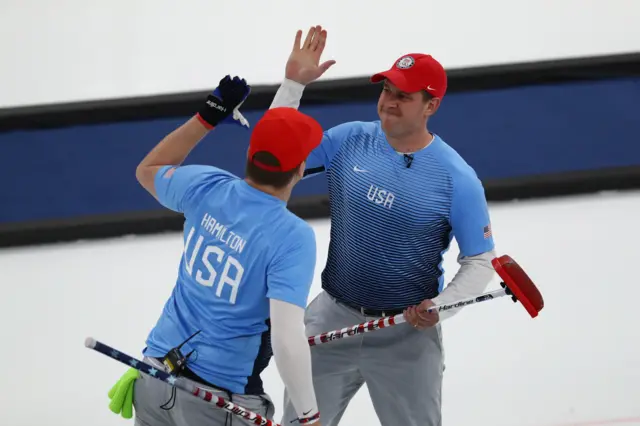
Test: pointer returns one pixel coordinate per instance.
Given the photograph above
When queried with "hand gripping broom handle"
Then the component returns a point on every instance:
(515, 283)
(172, 380)
(399, 318)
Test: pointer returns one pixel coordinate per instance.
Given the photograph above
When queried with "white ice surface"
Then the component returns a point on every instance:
(576, 363)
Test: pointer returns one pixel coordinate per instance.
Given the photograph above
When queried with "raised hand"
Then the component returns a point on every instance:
(223, 104)
(303, 65)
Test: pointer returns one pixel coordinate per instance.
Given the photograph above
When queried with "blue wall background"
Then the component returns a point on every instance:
(525, 131)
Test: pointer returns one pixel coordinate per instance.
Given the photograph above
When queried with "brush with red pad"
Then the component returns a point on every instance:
(515, 283)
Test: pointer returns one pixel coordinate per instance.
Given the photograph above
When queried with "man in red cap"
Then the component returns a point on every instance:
(398, 194)
(245, 274)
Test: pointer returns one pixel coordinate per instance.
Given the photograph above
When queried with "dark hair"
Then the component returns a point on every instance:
(265, 177)
(426, 96)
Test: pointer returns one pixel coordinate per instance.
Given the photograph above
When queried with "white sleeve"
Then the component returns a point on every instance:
(288, 95)
(292, 355)
(473, 277)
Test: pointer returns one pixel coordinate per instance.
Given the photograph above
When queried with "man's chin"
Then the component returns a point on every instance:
(388, 122)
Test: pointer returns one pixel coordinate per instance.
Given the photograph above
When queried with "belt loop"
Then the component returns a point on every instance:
(362, 311)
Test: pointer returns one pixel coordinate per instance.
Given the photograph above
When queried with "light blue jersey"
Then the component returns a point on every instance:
(241, 247)
(393, 217)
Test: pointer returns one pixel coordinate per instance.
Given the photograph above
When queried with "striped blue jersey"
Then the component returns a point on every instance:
(393, 217)
(241, 248)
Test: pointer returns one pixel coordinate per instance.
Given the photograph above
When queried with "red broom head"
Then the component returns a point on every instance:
(519, 284)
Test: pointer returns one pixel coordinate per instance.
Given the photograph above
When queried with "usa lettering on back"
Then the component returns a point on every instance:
(213, 266)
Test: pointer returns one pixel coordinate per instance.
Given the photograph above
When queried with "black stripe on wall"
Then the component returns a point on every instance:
(320, 93)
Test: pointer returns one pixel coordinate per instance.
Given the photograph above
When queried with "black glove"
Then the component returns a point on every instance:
(224, 102)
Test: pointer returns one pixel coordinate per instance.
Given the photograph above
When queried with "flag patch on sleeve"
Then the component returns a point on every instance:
(169, 173)
(487, 231)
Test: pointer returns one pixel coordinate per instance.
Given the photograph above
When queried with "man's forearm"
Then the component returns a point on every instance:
(288, 95)
(472, 279)
(172, 150)
(176, 146)
(292, 355)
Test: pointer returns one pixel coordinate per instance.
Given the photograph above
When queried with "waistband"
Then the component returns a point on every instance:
(191, 377)
(378, 313)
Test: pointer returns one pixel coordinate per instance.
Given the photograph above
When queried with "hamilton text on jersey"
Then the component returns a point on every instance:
(221, 232)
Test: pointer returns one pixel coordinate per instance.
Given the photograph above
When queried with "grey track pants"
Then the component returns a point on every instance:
(186, 410)
(401, 366)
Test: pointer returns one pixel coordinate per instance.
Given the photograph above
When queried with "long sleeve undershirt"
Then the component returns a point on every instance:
(292, 356)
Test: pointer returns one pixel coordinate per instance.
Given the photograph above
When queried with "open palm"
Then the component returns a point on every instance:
(304, 65)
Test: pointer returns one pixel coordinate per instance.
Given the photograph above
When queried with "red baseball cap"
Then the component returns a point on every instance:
(414, 72)
(288, 135)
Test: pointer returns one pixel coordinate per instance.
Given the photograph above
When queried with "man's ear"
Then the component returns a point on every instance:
(432, 107)
(301, 169)
(436, 106)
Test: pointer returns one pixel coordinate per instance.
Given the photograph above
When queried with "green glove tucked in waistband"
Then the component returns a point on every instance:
(121, 394)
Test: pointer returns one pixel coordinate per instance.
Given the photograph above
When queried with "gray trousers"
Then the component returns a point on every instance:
(187, 410)
(401, 366)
